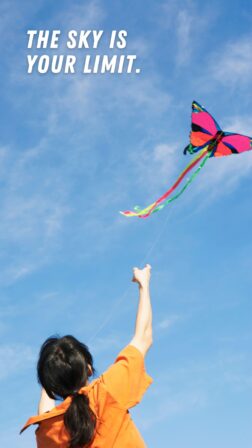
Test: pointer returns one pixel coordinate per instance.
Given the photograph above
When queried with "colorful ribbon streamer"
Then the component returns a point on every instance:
(160, 203)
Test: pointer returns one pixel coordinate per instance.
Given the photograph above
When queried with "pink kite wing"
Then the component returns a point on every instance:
(203, 121)
(237, 142)
(204, 129)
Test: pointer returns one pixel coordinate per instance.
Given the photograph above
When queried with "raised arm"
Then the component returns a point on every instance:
(142, 339)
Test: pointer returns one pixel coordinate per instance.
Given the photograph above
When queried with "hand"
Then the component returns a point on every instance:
(142, 276)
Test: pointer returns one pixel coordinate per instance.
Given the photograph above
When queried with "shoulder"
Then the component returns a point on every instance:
(131, 353)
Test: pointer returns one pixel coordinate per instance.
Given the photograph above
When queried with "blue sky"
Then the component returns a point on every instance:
(74, 150)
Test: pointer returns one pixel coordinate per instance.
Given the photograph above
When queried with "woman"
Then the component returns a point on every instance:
(94, 414)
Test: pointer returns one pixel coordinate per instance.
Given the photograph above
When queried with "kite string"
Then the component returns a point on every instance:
(117, 303)
(203, 153)
(156, 241)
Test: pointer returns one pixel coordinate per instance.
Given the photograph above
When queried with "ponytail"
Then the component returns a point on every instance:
(64, 366)
(80, 421)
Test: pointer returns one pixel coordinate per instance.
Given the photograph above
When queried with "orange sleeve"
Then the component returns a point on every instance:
(126, 380)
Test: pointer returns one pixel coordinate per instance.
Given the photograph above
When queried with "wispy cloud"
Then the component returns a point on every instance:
(80, 15)
(240, 381)
(156, 166)
(185, 24)
(14, 273)
(240, 124)
(10, 437)
(193, 386)
(33, 207)
(167, 322)
(15, 358)
(12, 17)
(101, 345)
(226, 173)
(175, 404)
(232, 64)
(188, 23)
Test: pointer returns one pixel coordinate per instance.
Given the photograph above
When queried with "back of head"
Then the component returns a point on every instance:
(63, 367)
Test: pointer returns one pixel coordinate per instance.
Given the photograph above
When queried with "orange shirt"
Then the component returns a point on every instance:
(110, 396)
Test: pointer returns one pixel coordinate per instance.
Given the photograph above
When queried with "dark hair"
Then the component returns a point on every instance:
(63, 368)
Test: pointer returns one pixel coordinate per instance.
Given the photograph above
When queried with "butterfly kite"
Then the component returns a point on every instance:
(207, 140)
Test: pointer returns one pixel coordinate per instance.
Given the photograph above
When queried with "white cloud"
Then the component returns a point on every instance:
(167, 322)
(3, 157)
(239, 381)
(240, 124)
(3, 327)
(10, 436)
(163, 154)
(15, 358)
(170, 404)
(19, 272)
(26, 218)
(187, 23)
(196, 384)
(48, 296)
(33, 208)
(156, 167)
(105, 344)
(232, 63)
(184, 29)
(223, 175)
(13, 17)
(78, 16)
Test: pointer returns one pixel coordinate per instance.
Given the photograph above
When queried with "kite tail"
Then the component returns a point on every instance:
(160, 203)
